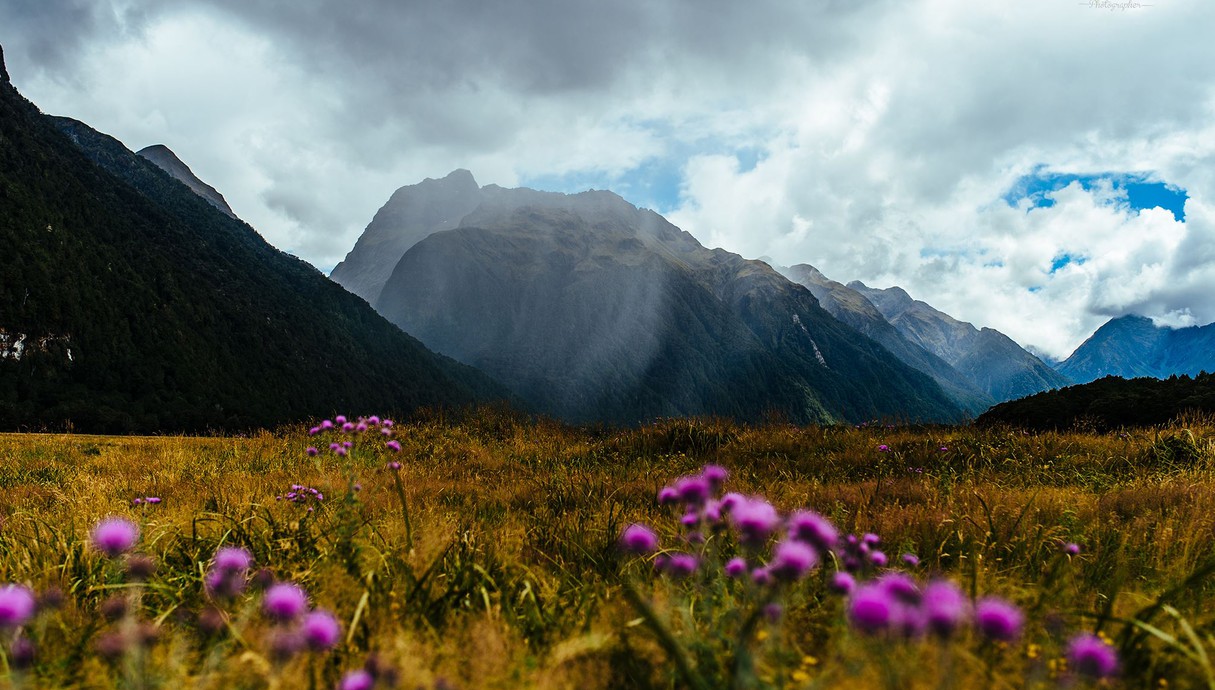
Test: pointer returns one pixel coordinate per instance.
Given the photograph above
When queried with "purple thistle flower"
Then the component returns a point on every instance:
(314, 431)
(224, 584)
(358, 679)
(1091, 656)
(360, 427)
(690, 519)
(348, 444)
(373, 420)
(693, 491)
(639, 539)
(814, 529)
(667, 495)
(311, 451)
(878, 559)
(115, 535)
(387, 423)
(998, 620)
(326, 425)
(1071, 549)
(871, 539)
(137, 501)
(870, 609)
(883, 448)
(681, 565)
(900, 586)
(713, 512)
(715, 475)
(945, 607)
(335, 446)
(755, 519)
(393, 445)
(16, 606)
(340, 419)
(153, 499)
(394, 465)
(911, 559)
(232, 559)
(791, 560)
(842, 583)
(731, 501)
(385, 431)
(761, 577)
(340, 452)
(348, 427)
(321, 630)
(735, 567)
(284, 601)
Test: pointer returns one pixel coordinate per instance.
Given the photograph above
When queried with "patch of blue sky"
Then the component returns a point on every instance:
(1057, 263)
(1142, 190)
(656, 183)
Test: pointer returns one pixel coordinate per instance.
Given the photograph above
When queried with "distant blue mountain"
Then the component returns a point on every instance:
(1131, 346)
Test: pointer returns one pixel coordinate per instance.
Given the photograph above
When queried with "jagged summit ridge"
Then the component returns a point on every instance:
(988, 358)
(594, 310)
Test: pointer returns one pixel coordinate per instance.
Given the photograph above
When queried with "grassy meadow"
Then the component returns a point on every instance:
(490, 558)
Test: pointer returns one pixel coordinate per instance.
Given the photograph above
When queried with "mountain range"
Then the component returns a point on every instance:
(1132, 346)
(591, 309)
(978, 367)
(128, 303)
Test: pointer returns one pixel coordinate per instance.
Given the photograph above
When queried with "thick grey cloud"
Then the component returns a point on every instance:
(873, 139)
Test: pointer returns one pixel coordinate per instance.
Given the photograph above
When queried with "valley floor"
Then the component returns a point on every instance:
(490, 559)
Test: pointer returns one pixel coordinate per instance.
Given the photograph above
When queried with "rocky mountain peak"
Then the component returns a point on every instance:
(166, 160)
(3, 71)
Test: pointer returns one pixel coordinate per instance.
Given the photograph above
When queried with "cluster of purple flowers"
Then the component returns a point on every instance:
(777, 550)
(146, 500)
(353, 429)
(229, 572)
(807, 536)
(303, 495)
(895, 604)
(297, 626)
(18, 606)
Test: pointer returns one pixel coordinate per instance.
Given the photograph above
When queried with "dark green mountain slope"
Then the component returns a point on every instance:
(1108, 403)
(594, 310)
(129, 304)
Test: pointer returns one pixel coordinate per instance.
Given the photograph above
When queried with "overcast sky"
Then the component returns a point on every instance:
(1036, 166)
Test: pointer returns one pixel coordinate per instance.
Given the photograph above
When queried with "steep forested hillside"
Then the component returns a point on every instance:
(128, 303)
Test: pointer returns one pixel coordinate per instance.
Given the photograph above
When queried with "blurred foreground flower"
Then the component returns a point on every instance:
(115, 536)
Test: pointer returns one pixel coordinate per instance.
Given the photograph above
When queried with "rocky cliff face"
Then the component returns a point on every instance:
(992, 361)
(168, 161)
(594, 310)
(1131, 346)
